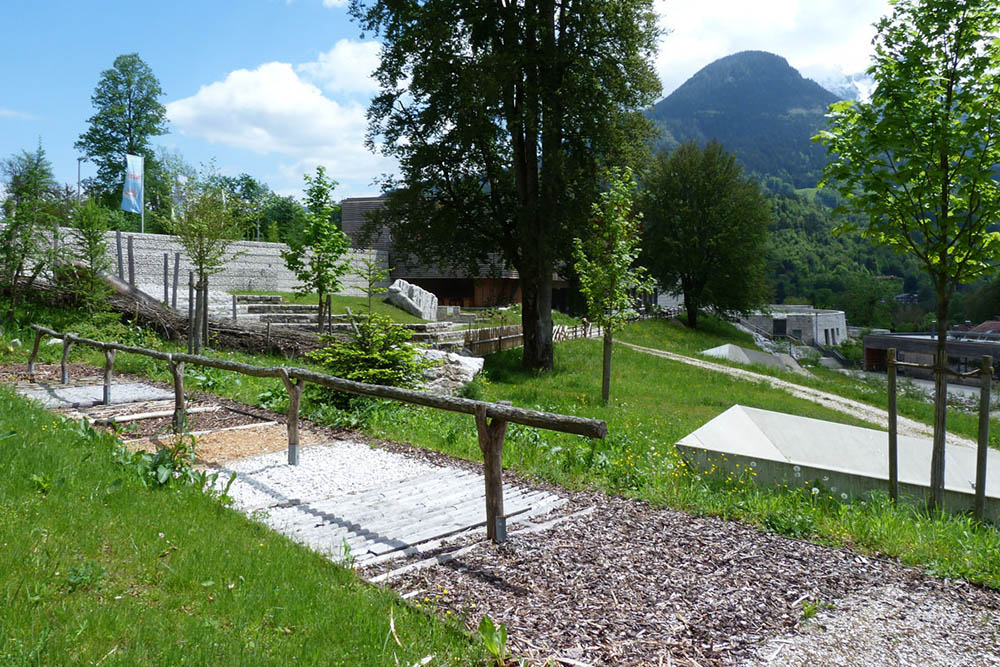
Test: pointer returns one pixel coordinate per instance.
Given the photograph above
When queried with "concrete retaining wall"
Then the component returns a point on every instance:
(252, 265)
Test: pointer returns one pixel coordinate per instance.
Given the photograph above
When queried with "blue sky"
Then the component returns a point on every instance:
(276, 87)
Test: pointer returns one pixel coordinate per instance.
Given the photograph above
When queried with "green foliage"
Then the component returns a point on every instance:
(605, 262)
(128, 113)
(918, 159)
(379, 353)
(502, 117)
(495, 639)
(706, 230)
(375, 278)
(90, 222)
(204, 222)
(30, 219)
(314, 256)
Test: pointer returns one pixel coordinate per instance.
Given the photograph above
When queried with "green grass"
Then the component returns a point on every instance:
(655, 401)
(911, 402)
(96, 567)
(357, 304)
(496, 318)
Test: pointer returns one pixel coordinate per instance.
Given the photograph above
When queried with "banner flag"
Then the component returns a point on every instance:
(132, 192)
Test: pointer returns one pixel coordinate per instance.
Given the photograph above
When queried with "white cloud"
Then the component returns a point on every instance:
(808, 33)
(334, 3)
(270, 110)
(10, 113)
(346, 68)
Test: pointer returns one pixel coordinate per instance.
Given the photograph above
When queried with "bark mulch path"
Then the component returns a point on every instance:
(630, 584)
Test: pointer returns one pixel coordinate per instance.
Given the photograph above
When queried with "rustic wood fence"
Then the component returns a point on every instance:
(985, 373)
(491, 418)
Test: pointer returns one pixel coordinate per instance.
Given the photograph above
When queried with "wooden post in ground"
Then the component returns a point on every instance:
(109, 362)
(177, 266)
(190, 312)
(121, 263)
(166, 278)
(294, 388)
(491, 439)
(34, 353)
(986, 376)
(67, 343)
(234, 308)
(204, 314)
(180, 417)
(893, 442)
(329, 313)
(131, 263)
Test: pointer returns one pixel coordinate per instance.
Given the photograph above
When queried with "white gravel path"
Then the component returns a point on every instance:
(339, 468)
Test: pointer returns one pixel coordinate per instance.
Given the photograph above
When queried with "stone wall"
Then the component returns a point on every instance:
(251, 265)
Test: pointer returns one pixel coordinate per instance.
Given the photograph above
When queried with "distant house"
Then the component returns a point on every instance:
(810, 325)
(965, 350)
(452, 288)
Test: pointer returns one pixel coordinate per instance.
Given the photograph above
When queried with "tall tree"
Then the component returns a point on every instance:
(314, 255)
(128, 113)
(31, 199)
(605, 263)
(502, 116)
(919, 159)
(706, 230)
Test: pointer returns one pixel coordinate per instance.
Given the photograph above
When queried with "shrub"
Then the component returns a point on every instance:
(379, 354)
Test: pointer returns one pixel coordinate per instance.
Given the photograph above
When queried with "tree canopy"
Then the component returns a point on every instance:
(918, 160)
(706, 227)
(502, 117)
(128, 113)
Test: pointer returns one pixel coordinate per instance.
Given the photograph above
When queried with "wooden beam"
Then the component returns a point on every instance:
(67, 343)
(109, 362)
(180, 417)
(491, 441)
(294, 387)
(34, 352)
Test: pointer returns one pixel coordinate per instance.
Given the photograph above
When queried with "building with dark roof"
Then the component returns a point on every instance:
(452, 288)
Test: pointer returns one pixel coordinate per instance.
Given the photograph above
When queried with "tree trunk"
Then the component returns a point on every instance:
(320, 319)
(936, 500)
(606, 381)
(199, 312)
(536, 321)
(692, 312)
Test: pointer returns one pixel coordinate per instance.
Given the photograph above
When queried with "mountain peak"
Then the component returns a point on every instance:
(759, 107)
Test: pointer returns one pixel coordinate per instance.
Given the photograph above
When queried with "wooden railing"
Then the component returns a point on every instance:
(491, 418)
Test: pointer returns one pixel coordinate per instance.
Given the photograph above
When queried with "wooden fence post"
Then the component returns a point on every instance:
(177, 371)
(234, 308)
(177, 266)
(294, 400)
(190, 312)
(893, 443)
(121, 263)
(34, 353)
(166, 278)
(109, 362)
(131, 262)
(67, 343)
(986, 376)
(491, 440)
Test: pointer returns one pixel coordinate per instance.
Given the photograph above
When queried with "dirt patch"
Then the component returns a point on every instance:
(220, 447)
(51, 373)
(199, 421)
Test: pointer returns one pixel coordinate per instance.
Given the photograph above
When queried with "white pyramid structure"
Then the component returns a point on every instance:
(787, 449)
(742, 355)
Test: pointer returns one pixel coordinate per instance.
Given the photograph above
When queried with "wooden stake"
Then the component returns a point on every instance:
(131, 263)
(67, 343)
(294, 399)
(893, 441)
(166, 278)
(177, 266)
(180, 416)
(190, 312)
(234, 308)
(491, 440)
(34, 353)
(121, 263)
(986, 375)
(109, 362)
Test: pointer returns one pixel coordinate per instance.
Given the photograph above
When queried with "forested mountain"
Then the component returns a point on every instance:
(758, 107)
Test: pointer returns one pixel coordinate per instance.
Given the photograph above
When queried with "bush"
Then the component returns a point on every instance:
(378, 354)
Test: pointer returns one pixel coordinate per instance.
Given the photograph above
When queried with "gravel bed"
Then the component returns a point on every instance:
(630, 584)
(335, 469)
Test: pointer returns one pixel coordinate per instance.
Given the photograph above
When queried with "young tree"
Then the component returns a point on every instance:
(128, 114)
(30, 220)
(205, 227)
(90, 223)
(605, 263)
(502, 116)
(375, 280)
(706, 228)
(919, 159)
(314, 255)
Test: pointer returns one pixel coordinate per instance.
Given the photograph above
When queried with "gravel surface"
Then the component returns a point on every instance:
(339, 468)
(630, 584)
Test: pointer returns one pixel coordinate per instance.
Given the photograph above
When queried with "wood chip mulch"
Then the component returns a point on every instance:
(630, 584)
